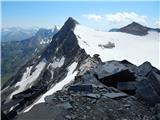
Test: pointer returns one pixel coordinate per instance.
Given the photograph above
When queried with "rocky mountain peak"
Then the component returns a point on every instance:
(69, 24)
(71, 20)
(135, 24)
(64, 41)
(135, 29)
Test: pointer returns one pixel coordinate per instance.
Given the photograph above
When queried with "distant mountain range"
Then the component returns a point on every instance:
(16, 53)
(17, 33)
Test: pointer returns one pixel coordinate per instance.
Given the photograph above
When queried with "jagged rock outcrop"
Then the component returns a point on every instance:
(91, 100)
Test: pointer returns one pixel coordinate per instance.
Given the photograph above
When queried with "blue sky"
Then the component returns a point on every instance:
(99, 15)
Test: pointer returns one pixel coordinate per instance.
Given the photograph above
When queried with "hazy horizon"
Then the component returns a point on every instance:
(98, 15)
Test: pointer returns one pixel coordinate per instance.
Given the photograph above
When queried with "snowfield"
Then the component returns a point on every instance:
(70, 76)
(28, 78)
(136, 49)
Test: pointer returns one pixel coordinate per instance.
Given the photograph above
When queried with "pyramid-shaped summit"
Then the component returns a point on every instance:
(69, 24)
(135, 29)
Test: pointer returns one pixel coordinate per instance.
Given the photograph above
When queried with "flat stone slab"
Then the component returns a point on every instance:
(115, 95)
(92, 95)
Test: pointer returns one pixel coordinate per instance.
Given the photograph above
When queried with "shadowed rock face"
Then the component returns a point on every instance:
(64, 42)
(122, 76)
(137, 29)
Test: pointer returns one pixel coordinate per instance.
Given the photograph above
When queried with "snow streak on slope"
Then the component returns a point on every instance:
(70, 76)
(28, 78)
(136, 49)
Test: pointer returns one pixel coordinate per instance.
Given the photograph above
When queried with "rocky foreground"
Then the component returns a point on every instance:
(114, 90)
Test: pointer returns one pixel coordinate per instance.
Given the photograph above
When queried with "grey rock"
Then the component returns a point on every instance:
(93, 96)
(115, 95)
(81, 88)
(147, 92)
(155, 81)
(65, 105)
(144, 69)
(88, 107)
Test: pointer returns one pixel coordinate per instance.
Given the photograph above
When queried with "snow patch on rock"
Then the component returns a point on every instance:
(57, 62)
(45, 41)
(70, 76)
(29, 77)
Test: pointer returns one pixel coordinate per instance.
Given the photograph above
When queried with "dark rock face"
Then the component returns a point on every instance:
(149, 88)
(122, 76)
(136, 29)
(155, 81)
(64, 41)
(146, 91)
(3, 116)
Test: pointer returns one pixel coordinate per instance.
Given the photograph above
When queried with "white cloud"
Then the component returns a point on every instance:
(125, 18)
(93, 17)
(157, 24)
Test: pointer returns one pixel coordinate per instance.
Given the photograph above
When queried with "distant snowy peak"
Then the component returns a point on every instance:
(45, 35)
(136, 29)
(56, 28)
(44, 32)
(20, 34)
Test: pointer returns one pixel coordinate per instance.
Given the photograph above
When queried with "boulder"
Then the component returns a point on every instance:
(144, 69)
(147, 92)
(109, 68)
(155, 81)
